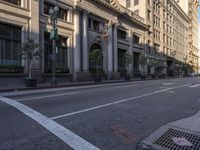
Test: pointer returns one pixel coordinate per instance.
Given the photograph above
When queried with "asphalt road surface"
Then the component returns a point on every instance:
(107, 116)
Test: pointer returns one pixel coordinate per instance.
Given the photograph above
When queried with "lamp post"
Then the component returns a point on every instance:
(53, 12)
(173, 53)
(185, 67)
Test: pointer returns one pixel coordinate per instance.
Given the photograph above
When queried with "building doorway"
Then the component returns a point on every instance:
(92, 65)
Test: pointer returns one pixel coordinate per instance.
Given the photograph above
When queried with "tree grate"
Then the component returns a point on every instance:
(166, 141)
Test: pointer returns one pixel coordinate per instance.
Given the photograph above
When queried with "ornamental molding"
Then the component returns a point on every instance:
(117, 11)
(96, 10)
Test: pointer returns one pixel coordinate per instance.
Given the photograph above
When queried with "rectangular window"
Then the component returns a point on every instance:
(61, 55)
(148, 2)
(149, 46)
(90, 23)
(121, 61)
(157, 48)
(128, 3)
(164, 25)
(96, 25)
(136, 2)
(149, 15)
(121, 34)
(136, 39)
(10, 39)
(62, 12)
(15, 2)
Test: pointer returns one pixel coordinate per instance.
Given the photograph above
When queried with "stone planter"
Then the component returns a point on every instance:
(127, 77)
(97, 79)
(30, 82)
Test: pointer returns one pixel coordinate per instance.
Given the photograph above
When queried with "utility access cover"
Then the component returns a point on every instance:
(174, 139)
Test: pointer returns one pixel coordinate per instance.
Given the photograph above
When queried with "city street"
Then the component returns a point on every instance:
(113, 116)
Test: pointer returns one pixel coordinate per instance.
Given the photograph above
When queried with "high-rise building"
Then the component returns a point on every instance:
(173, 29)
(191, 9)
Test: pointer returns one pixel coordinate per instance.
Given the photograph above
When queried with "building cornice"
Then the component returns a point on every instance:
(180, 10)
(117, 9)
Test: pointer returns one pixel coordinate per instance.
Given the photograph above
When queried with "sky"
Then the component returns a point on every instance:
(199, 14)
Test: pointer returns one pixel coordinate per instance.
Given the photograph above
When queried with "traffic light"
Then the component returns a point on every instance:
(54, 34)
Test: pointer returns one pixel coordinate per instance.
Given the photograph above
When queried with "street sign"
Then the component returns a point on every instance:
(54, 34)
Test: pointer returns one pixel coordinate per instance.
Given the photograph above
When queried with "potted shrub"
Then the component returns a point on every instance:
(29, 51)
(127, 59)
(96, 57)
(142, 62)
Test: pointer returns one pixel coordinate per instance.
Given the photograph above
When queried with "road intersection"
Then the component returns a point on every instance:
(106, 116)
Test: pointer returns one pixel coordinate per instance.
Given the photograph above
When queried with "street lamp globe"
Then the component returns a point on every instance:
(56, 9)
(51, 11)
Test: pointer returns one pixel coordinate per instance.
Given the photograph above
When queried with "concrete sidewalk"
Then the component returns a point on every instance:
(21, 87)
(187, 130)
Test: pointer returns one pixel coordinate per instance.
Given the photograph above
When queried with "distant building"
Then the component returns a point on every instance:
(173, 29)
(191, 9)
(199, 46)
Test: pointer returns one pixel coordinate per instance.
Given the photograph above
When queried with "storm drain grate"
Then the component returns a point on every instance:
(166, 140)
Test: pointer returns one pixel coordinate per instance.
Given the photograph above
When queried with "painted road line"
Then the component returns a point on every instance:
(171, 92)
(168, 83)
(46, 96)
(126, 86)
(70, 138)
(117, 102)
(194, 86)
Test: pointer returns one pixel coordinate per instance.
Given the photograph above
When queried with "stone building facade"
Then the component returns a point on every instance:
(80, 24)
(192, 12)
(173, 28)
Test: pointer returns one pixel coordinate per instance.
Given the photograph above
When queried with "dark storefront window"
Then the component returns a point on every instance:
(136, 39)
(62, 12)
(10, 39)
(136, 62)
(96, 25)
(121, 61)
(61, 54)
(16, 2)
(121, 34)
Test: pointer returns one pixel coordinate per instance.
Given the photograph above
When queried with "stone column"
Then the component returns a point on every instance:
(76, 46)
(35, 35)
(69, 52)
(115, 49)
(85, 42)
(116, 74)
(110, 51)
(130, 51)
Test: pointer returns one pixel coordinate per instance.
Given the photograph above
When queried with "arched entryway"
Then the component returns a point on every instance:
(92, 65)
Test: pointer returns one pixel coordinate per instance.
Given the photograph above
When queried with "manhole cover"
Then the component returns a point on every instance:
(184, 140)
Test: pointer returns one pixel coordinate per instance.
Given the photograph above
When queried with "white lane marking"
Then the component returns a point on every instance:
(70, 138)
(117, 87)
(171, 92)
(194, 86)
(133, 84)
(46, 96)
(117, 102)
(168, 83)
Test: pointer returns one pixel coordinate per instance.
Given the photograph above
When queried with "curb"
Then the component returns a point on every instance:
(72, 85)
(62, 85)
